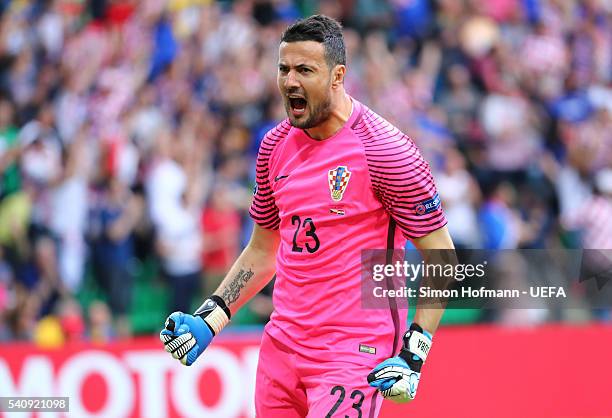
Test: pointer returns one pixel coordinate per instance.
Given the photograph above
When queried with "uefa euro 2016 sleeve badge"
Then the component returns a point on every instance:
(338, 180)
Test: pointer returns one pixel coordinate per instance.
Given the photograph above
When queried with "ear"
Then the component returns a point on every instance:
(338, 75)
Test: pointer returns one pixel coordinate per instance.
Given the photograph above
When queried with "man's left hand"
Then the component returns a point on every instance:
(397, 378)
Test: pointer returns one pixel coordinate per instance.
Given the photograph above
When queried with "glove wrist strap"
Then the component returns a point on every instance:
(416, 343)
(215, 313)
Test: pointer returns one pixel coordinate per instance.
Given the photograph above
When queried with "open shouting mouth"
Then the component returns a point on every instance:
(297, 105)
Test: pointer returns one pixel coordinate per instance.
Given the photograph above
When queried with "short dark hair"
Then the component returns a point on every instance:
(322, 29)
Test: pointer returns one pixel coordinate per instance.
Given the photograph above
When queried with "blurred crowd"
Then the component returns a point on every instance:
(129, 129)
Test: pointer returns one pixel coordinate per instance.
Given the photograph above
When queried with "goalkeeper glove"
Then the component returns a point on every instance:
(187, 336)
(397, 378)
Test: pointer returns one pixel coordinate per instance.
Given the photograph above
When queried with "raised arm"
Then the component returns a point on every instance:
(186, 336)
(253, 269)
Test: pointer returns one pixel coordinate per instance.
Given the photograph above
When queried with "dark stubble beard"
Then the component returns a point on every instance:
(318, 115)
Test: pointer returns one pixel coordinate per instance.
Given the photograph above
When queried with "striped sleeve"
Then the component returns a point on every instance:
(401, 178)
(263, 208)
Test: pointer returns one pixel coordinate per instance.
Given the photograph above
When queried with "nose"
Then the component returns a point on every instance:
(290, 81)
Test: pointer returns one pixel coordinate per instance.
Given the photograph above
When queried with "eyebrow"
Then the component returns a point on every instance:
(299, 66)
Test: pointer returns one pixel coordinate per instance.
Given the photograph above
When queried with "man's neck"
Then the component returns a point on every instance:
(341, 112)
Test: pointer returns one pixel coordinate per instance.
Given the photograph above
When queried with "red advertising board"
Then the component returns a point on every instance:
(551, 371)
(136, 378)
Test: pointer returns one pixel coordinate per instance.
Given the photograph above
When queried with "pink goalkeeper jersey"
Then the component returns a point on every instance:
(366, 187)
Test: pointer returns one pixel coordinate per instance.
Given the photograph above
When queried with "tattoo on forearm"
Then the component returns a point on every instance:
(231, 293)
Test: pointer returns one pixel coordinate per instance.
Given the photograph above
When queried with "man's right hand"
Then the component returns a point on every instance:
(187, 336)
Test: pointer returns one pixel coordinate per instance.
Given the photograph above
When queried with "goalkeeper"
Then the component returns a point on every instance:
(333, 179)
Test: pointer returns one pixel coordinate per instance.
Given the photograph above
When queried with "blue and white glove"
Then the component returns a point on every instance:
(187, 336)
(398, 378)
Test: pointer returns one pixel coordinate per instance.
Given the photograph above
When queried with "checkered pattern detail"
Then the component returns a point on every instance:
(338, 180)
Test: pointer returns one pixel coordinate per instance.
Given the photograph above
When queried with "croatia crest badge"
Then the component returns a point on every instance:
(338, 180)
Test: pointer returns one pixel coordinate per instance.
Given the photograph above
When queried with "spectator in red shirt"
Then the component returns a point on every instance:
(221, 226)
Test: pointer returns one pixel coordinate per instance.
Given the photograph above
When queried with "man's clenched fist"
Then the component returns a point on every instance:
(187, 336)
